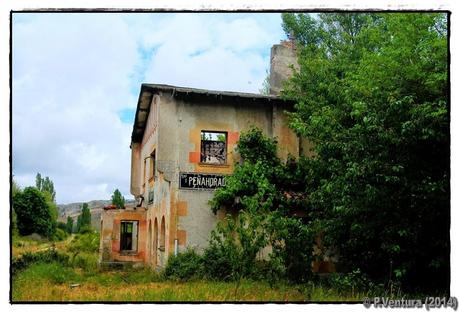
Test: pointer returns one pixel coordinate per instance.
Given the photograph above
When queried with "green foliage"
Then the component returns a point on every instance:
(263, 193)
(254, 146)
(292, 243)
(33, 213)
(88, 242)
(84, 219)
(371, 94)
(52, 273)
(61, 225)
(118, 200)
(60, 234)
(45, 185)
(47, 256)
(265, 90)
(14, 223)
(15, 188)
(354, 281)
(85, 261)
(184, 266)
(234, 245)
(69, 225)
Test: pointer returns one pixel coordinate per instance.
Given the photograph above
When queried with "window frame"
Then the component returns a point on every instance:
(217, 132)
(152, 165)
(123, 234)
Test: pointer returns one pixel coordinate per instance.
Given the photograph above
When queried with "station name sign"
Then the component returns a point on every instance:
(201, 181)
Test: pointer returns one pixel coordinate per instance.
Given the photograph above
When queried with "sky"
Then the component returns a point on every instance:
(76, 79)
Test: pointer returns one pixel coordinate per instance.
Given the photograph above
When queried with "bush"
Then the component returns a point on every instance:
(234, 245)
(59, 235)
(184, 266)
(292, 243)
(85, 261)
(217, 263)
(47, 256)
(349, 282)
(88, 242)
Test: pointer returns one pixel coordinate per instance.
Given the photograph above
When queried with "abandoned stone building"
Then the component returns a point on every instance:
(183, 146)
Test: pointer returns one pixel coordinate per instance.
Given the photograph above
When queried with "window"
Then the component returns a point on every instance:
(128, 236)
(151, 196)
(145, 172)
(152, 165)
(213, 147)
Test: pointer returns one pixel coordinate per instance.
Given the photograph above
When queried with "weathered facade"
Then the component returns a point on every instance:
(183, 145)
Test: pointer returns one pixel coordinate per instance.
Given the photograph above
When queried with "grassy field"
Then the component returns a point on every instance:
(53, 282)
(83, 281)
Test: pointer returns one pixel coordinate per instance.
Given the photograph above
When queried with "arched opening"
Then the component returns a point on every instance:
(155, 243)
(162, 234)
(162, 247)
(149, 242)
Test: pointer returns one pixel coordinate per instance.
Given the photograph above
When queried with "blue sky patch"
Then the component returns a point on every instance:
(127, 115)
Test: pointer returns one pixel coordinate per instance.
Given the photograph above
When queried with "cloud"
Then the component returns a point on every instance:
(76, 79)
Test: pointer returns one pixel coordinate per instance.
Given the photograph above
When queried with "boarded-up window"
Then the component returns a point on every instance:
(128, 235)
(213, 147)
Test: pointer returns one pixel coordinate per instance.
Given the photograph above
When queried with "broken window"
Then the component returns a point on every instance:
(128, 236)
(213, 147)
(152, 165)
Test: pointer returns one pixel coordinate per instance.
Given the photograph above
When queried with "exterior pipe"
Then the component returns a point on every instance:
(175, 247)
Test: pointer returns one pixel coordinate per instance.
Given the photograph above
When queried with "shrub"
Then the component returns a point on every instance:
(85, 261)
(88, 242)
(217, 263)
(354, 281)
(184, 266)
(47, 256)
(59, 235)
(234, 245)
(292, 243)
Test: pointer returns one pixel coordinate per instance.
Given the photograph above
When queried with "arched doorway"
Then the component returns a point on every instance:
(149, 243)
(155, 243)
(162, 247)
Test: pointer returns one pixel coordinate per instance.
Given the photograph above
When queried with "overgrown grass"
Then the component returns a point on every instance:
(56, 282)
(66, 273)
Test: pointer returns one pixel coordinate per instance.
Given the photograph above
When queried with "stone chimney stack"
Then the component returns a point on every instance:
(282, 57)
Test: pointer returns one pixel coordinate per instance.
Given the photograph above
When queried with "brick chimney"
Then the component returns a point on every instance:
(282, 56)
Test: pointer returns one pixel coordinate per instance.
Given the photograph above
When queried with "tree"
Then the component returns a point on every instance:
(264, 193)
(45, 185)
(265, 90)
(84, 219)
(33, 213)
(15, 190)
(118, 200)
(371, 95)
(69, 225)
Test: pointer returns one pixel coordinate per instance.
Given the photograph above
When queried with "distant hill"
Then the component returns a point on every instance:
(95, 206)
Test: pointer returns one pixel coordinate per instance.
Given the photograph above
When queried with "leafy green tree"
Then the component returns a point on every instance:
(261, 190)
(45, 185)
(118, 200)
(69, 225)
(372, 96)
(33, 213)
(78, 223)
(84, 219)
(15, 189)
